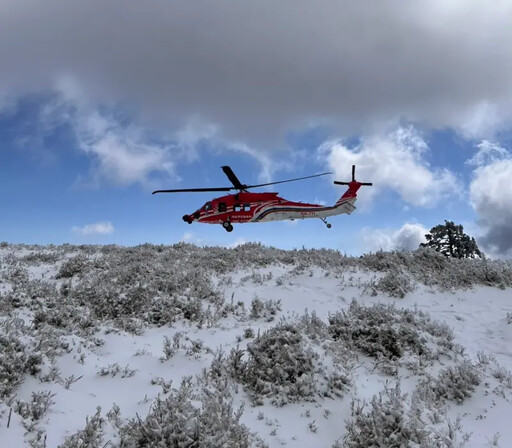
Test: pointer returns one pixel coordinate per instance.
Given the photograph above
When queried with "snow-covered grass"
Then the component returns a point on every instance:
(252, 346)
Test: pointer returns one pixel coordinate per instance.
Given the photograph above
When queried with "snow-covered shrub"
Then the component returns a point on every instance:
(394, 283)
(386, 423)
(65, 316)
(169, 349)
(314, 327)
(33, 294)
(16, 359)
(279, 365)
(455, 383)
(176, 422)
(265, 309)
(249, 333)
(37, 407)
(17, 276)
(73, 266)
(382, 331)
(91, 436)
(434, 269)
(115, 369)
(41, 256)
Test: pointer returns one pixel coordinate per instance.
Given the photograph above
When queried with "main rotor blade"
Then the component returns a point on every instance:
(284, 181)
(193, 190)
(353, 173)
(337, 182)
(232, 177)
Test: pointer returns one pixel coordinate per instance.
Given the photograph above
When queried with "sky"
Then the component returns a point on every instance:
(103, 102)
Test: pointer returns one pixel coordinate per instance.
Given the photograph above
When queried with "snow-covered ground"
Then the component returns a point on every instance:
(95, 343)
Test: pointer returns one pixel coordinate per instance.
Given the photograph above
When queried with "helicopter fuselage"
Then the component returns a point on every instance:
(262, 207)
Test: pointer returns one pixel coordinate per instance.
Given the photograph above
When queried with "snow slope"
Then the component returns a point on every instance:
(91, 357)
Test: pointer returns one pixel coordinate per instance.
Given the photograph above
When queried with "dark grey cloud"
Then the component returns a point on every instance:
(257, 68)
(498, 240)
(490, 195)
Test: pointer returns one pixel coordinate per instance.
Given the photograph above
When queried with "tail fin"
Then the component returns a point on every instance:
(353, 187)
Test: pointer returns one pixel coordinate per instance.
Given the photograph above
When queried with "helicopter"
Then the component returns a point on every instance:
(244, 206)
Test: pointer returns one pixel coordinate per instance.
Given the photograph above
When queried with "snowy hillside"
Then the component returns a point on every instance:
(102, 346)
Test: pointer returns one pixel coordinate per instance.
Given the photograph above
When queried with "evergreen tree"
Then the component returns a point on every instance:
(450, 240)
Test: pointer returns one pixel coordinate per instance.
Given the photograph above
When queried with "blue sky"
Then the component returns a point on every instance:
(91, 124)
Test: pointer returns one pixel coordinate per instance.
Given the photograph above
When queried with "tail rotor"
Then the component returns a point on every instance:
(353, 182)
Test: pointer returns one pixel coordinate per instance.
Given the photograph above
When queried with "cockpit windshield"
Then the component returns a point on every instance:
(208, 206)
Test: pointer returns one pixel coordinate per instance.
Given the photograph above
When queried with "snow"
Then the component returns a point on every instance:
(478, 317)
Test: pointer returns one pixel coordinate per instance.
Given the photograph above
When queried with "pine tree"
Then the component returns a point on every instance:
(450, 240)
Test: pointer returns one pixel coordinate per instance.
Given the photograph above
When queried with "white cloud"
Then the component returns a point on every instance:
(407, 238)
(396, 161)
(124, 152)
(488, 152)
(99, 228)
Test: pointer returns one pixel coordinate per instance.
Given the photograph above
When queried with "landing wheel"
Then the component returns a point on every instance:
(227, 225)
(326, 223)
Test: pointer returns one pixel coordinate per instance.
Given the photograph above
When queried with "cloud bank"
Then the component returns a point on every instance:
(407, 238)
(257, 69)
(490, 195)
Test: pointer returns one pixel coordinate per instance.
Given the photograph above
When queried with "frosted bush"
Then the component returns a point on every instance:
(177, 421)
(115, 370)
(394, 283)
(434, 269)
(265, 309)
(455, 383)
(41, 256)
(279, 366)
(37, 407)
(91, 436)
(16, 359)
(384, 423)
(387, 422)
(313, 326)
(382, 331)
(73, 266)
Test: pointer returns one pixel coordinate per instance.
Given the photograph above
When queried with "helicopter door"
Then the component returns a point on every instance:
(222, 207)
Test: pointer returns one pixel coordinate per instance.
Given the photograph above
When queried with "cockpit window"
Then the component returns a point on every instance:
(222, 207)
(208, 206)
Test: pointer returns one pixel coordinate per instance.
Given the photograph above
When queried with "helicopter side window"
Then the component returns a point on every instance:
(247, 207)
(237, 208)
(222, 207)
(208, 206)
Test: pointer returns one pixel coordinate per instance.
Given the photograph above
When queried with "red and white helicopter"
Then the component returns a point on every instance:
(245, 206)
